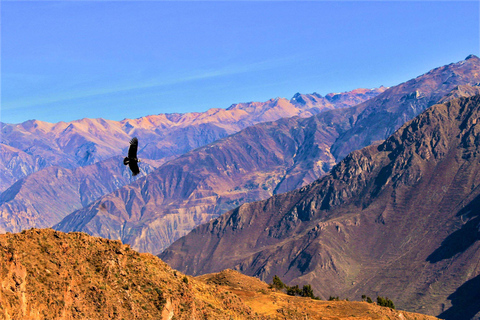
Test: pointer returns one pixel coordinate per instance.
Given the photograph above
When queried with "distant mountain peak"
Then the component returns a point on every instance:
(472, 56)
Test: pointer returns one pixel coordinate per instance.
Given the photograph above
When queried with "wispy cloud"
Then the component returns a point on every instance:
(156, 82)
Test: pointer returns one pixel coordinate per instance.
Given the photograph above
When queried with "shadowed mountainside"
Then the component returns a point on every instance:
(251, 165)
(400, 218)
(32, 145)
(45, 274)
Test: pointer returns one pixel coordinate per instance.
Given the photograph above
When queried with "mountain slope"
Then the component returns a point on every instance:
(15, 164)
(379, 118)
(251, 165)
(87, 141)
(194, 188)
(46, 274)
(400, 218)
(45, 197)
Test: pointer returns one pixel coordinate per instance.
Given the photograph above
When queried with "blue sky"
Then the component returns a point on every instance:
(66, 60)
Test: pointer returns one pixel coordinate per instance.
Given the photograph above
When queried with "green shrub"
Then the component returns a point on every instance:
(277, 283)
(307, 291)
(385, 302)
(293, 291)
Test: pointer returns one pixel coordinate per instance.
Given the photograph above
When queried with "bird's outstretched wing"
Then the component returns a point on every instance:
(134, 167)
(132, 151)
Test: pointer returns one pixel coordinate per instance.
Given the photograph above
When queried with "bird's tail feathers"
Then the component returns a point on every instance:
(126, 161)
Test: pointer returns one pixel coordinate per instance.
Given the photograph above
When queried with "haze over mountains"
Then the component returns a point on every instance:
(256, 163)
(46, 196)
(401, 217)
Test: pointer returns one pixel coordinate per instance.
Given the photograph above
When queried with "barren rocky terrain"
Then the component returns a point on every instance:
(32, 145)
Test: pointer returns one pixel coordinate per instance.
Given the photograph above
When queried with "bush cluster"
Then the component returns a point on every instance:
(307, 291)
(295, 290)
(381, 301)
(385, 302)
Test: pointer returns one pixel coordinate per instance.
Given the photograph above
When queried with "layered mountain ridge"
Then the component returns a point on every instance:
(27, 203)
(400, 217)
(32, 145)
(254, 164)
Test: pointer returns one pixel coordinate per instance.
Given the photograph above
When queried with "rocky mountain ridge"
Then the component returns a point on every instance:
(400, 217)
(32, 145)
(251, 165)
(379, 118)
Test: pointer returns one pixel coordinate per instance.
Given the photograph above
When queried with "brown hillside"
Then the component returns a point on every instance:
(400, 219)
(45, 274)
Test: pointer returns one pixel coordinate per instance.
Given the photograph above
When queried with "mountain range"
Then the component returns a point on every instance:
(256, 163)
(44, 197)
(32, 145)
(399, 217)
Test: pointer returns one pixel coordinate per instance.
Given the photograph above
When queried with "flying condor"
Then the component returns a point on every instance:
(131, 159)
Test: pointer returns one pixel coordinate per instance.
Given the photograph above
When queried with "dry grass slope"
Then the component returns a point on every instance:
(45, 274)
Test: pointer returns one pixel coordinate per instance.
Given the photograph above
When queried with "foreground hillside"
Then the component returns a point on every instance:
(256, 163)
(45, 274)
(401, 218)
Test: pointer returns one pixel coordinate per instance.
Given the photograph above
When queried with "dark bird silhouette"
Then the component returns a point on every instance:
(131, 159)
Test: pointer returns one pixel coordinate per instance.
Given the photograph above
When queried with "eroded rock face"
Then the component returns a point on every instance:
(45, 197)
(399, 219)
